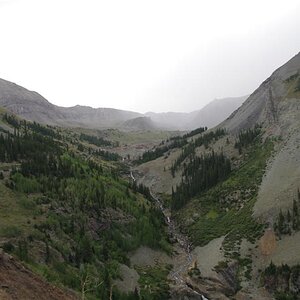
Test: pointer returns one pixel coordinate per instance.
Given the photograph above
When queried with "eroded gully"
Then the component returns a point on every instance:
(183, 257)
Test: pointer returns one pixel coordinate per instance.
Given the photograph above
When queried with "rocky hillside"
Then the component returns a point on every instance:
(235, 193)
(275, 104)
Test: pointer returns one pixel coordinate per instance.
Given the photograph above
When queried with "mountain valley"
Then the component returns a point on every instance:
(109, 204)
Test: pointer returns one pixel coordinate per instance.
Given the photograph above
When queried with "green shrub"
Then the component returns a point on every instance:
(8, 247)
(25, 184)
(10, 231)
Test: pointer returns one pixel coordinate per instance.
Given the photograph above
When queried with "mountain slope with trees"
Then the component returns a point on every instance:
(250, 203)
(68, 214)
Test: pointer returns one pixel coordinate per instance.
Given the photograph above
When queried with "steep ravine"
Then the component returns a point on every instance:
(182, 259)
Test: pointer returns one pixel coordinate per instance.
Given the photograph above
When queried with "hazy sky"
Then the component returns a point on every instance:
(163, 55)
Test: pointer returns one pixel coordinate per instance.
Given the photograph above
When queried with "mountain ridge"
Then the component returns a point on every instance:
(264, 104)
(34, 107)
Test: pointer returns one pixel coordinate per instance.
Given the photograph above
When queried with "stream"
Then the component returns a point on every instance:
(182, 247)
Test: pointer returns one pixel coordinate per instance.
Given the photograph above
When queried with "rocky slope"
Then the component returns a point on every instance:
(256, 207)
(276, 106)
(275, 103)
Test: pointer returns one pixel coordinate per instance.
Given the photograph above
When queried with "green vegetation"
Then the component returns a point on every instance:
(290, 221)
(110, 156)
(175, 142)
(10, 231)
(245, 267)
(79, 219)
(97, 141)
(189, 149)
(172, 143)
(247, 137)
(200, 174)
(237, 224)
(231, 202)
(212, 214)
(282, 281)
(154, 283)
(194, 132)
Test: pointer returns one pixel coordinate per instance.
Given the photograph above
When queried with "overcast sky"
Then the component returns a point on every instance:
(163, 55)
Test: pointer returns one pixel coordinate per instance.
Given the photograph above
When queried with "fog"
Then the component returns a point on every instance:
(143, 56)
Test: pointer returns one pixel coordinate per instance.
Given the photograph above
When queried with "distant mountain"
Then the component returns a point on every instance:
(32, 106)
(171, 120)
(210, 115)
(215, 112)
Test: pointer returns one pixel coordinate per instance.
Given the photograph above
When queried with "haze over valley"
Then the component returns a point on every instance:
(158, 155)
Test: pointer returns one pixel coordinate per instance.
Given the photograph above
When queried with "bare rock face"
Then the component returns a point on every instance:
(267, 243)
(268, 105)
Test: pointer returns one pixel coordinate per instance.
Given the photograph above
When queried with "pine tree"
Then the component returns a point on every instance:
(281, 222)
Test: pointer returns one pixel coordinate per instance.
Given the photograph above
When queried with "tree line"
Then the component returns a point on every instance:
(200, 174)
(189, 150)
(246, 138)
(174, 142)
